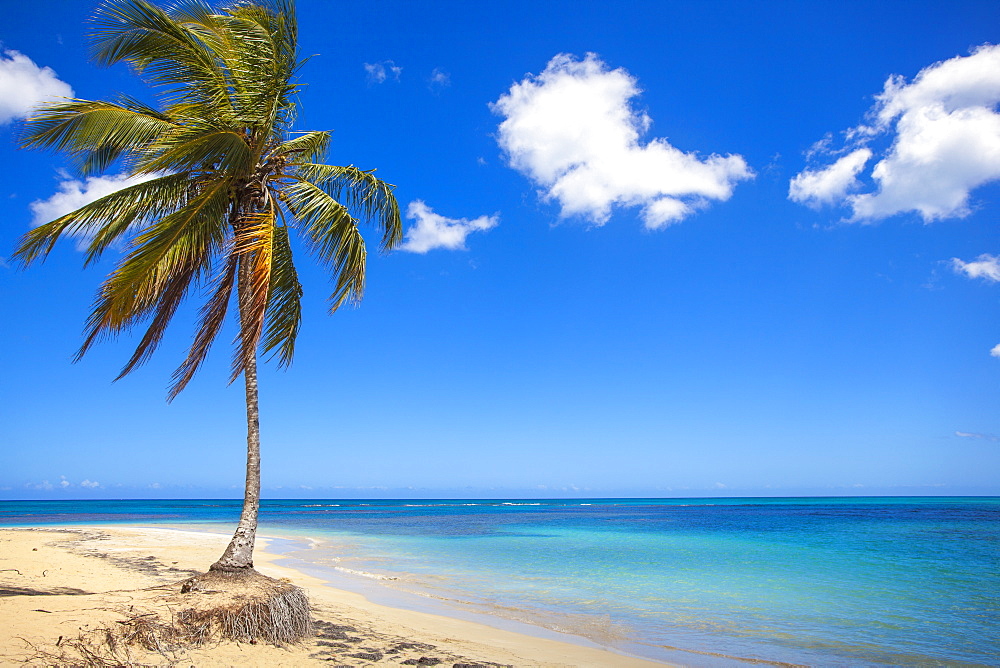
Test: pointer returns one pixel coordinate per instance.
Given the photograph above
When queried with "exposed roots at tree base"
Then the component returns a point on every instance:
(212, 607)
(245, 606)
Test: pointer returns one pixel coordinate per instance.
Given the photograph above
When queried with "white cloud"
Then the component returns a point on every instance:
(91, 484)
(24, 85)
(573, 131)
(945, 134)
(63, 482)
(73, 194)
(827, 185)
(968, 434)
(985, 266)
(381, 71)
(439, 79)
(435, 231)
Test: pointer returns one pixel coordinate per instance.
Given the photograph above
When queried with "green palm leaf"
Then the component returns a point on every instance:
(109, 218)
(213, 316)
(333, 236)
(95, 134)
(168, 53)
(307, 147)
(284, 304)
(361, 191)
(180, 244)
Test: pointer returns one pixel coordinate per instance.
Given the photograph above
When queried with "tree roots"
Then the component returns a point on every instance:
(212, 607)
(245, 606)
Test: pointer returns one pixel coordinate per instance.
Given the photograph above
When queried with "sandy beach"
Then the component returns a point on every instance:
(60, 585)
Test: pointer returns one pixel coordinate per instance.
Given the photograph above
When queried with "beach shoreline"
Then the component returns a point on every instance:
(60, 582)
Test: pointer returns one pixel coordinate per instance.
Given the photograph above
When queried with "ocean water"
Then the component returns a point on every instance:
(703, 582)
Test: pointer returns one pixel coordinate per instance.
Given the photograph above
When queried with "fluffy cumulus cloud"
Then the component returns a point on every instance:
(432, 230)
(573, 131)
(943, 132)
(995, 350)
(829, 184)
(24, 85)
(73, 194)
(985, 266)
(382, 71)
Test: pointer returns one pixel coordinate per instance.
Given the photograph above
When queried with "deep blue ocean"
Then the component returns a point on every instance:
(815, 581)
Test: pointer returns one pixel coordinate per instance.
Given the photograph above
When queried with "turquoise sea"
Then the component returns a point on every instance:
(703, 582)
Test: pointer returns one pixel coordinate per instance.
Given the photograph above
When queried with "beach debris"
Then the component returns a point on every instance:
(413, 645)
(8, 590)
(95, 648)
(367, 656)
(422, 661)
(329, 631)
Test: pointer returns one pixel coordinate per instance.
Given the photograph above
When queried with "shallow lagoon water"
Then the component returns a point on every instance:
(819, 581)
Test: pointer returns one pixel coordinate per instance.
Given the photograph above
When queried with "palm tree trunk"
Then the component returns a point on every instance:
(239, 555)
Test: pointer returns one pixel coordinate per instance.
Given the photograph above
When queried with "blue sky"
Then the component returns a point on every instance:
(720, 256)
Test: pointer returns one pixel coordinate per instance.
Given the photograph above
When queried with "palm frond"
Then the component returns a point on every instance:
(307, 147)
(284, 302)
(165, 52)
(253, 243)
(193, 13)
(95, 134)
(255, 49)
(333, 236)
(169, 299)
(182, 243)
(213, 315)
(360, 191)
(109, 218)
(276, 20)
(200, 146)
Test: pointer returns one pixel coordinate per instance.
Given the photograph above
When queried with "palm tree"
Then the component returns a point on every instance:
(226, 183)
